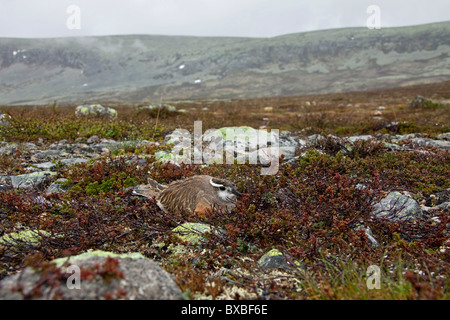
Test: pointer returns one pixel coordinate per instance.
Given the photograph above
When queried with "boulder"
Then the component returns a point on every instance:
(422, 102)
(96, 110)
(252, 138)
(31, 180)
(158, 110)
(397, 207)
(95, 275)
(166, 107)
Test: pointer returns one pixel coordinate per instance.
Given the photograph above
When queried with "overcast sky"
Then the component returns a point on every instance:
(254, 18)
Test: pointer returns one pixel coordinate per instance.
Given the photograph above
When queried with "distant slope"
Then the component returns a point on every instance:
(143, 68)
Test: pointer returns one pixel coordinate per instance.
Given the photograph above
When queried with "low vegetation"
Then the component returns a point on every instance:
(311, 210)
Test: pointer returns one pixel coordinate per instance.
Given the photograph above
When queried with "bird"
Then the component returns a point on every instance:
(198, 194)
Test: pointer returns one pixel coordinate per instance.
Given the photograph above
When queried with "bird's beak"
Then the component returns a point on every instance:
(237, 192)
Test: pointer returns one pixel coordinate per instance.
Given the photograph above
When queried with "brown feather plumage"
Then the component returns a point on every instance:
(195, 194)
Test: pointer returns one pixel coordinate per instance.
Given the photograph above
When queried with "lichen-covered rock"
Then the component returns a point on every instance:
(275, 259)
(8, 149)
(59, 186)
(444, 136)
(168, 157)
(159, 106)
(96, 110)
(22, 238)
(102, 275)
(397, 207)
(5, 119)
(159, 110)
(250, 138)
(31, 180)
(192, 233)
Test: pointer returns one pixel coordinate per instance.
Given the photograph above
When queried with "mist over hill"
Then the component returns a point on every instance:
(144, 68)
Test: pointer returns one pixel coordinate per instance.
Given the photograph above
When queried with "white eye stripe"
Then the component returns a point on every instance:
(215, 185)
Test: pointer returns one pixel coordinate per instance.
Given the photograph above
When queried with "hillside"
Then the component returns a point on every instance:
(141, 68)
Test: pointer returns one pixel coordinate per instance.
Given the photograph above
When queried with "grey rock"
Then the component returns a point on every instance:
(275, 259)
(95, 110)
(397, 207)
(57, 187)
(424, 142)
(444, 205)
(9, 149)
(142, 279)
(73, 161)
(444, 136)
(31, 180)
(51, 153)
(369, 234)
(353, 139)
(271, 154)
(394, 147)
(93, 139)
(158, 107)
(65, 148)
(287, 140)
(315, 138)
(404, 137)
(4, 187)
(46, 165)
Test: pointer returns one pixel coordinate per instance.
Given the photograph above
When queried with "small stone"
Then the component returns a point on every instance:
(274, 259)
(192, 232)
(93, 139)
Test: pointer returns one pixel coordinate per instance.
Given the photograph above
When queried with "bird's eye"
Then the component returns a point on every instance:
(222, 188)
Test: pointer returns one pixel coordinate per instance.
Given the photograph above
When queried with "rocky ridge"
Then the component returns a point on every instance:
(137, 68)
